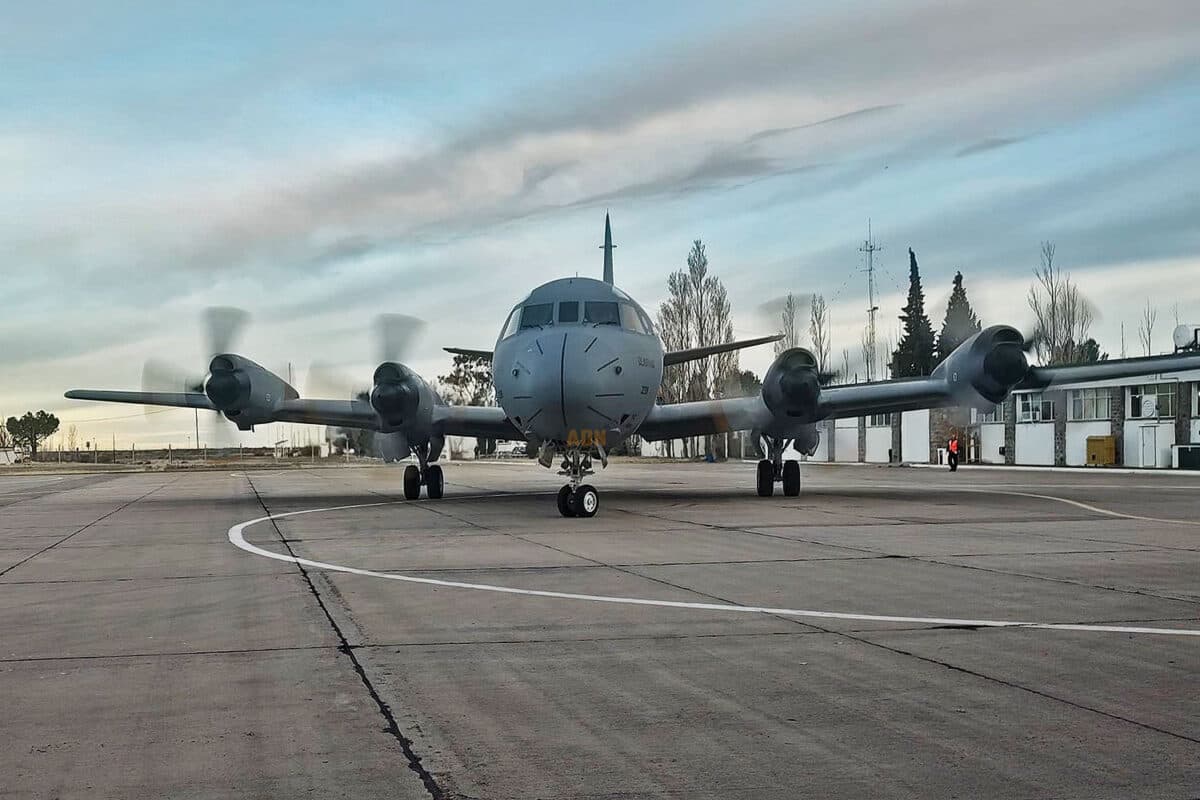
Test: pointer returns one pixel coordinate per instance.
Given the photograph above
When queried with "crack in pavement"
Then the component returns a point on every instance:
(99, 519)
(393, 728)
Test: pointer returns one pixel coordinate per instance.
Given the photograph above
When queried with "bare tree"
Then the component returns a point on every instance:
(885, 361)
(5, 438)
(819, 332)
(845, 365)
(1063, 316)
(696, 314)
(725, 372)
(868, 353)
(673, 326)
(72, 438)
(1146, 328)
(787, 325)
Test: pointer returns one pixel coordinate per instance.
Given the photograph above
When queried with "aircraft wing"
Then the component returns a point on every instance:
(704, 417)
(695, 353)
(1046, 377)
(948, 386)
(485, 422)
(940, 390)
(486, 355)
(176, 399)
(342, 413)
(338, 413)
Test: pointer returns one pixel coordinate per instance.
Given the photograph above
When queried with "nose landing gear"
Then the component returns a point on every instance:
(774, 469)
(428, 475)
(577, 499)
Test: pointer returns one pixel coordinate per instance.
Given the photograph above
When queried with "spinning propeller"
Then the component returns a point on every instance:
(223, 326)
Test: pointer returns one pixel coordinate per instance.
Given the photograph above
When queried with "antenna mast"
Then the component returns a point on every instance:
(869, 248)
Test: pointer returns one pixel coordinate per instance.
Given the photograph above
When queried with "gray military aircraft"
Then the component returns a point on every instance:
(577, 369)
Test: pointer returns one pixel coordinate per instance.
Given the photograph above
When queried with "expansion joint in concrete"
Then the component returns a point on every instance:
(393, 728)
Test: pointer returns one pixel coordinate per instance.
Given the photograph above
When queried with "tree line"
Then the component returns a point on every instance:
(1063, 318)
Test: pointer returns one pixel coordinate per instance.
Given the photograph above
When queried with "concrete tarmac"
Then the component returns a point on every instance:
(144, 655)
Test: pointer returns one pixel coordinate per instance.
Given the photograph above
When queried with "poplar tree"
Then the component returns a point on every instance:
(914, 355)
(960, 323)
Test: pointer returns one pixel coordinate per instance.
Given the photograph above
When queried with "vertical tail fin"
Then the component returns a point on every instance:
(607, 247)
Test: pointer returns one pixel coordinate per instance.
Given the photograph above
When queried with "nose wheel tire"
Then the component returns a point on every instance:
(766, 478)
(564, 502)
(791, 478)
(412, 482)
(585, 501)
(435, 482)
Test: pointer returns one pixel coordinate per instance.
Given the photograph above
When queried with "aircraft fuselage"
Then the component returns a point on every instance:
(578, 363)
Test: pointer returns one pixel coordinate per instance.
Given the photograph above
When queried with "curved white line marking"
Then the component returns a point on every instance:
(237, 537)
(1096, 509)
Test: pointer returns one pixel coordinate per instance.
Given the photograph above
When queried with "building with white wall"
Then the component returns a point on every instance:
(1047, 428)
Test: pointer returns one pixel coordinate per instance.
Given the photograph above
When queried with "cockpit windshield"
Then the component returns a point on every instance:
(601, 312)
(537, 315)
(590, 312)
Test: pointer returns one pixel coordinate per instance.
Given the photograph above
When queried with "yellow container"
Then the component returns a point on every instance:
(1101, 451)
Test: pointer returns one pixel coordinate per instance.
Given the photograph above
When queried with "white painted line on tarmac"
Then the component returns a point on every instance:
(237, 537)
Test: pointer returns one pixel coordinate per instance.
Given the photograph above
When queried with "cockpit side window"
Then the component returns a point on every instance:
(646, 323)
(601, 312)
(568, 311)
(510, 326)
(630, 319)
(536, 315)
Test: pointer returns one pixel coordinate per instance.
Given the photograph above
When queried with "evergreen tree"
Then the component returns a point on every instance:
(960, 323)
(31, 429)
(914, 355)
(1089, 352)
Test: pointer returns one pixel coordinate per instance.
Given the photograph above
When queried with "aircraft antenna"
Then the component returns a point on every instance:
(870, 248)
(607, 247)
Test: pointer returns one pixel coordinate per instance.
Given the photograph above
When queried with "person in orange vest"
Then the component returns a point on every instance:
(953, 449)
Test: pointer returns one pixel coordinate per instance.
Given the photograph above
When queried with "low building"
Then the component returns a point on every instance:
(1049, 428)
(1145, 420)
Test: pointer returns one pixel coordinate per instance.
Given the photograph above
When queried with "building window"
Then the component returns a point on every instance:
(1091, 404)
(879, 421)
(1034, 408)
(993, 414)
(1152, 400)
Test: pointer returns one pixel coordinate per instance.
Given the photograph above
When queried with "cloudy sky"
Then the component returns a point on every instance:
(320, 165)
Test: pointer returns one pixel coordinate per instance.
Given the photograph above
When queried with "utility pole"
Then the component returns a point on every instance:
(870, 248)
(197, 426)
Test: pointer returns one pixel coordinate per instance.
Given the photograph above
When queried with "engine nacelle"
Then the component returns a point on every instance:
(985, 368)
(791, 387)
(245, 392)
(402, 399)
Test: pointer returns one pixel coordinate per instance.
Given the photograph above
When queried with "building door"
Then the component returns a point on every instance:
(1149, 446)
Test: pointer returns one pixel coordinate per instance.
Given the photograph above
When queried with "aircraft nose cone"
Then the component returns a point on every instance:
(566, 386)
(532, 387)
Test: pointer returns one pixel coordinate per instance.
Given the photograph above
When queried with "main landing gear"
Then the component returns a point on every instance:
(428, 475)
(774, 469)
(577, 499)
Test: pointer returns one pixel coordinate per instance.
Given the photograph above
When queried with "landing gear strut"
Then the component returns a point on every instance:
(774, 469)
(429, 475)
(577, 499)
